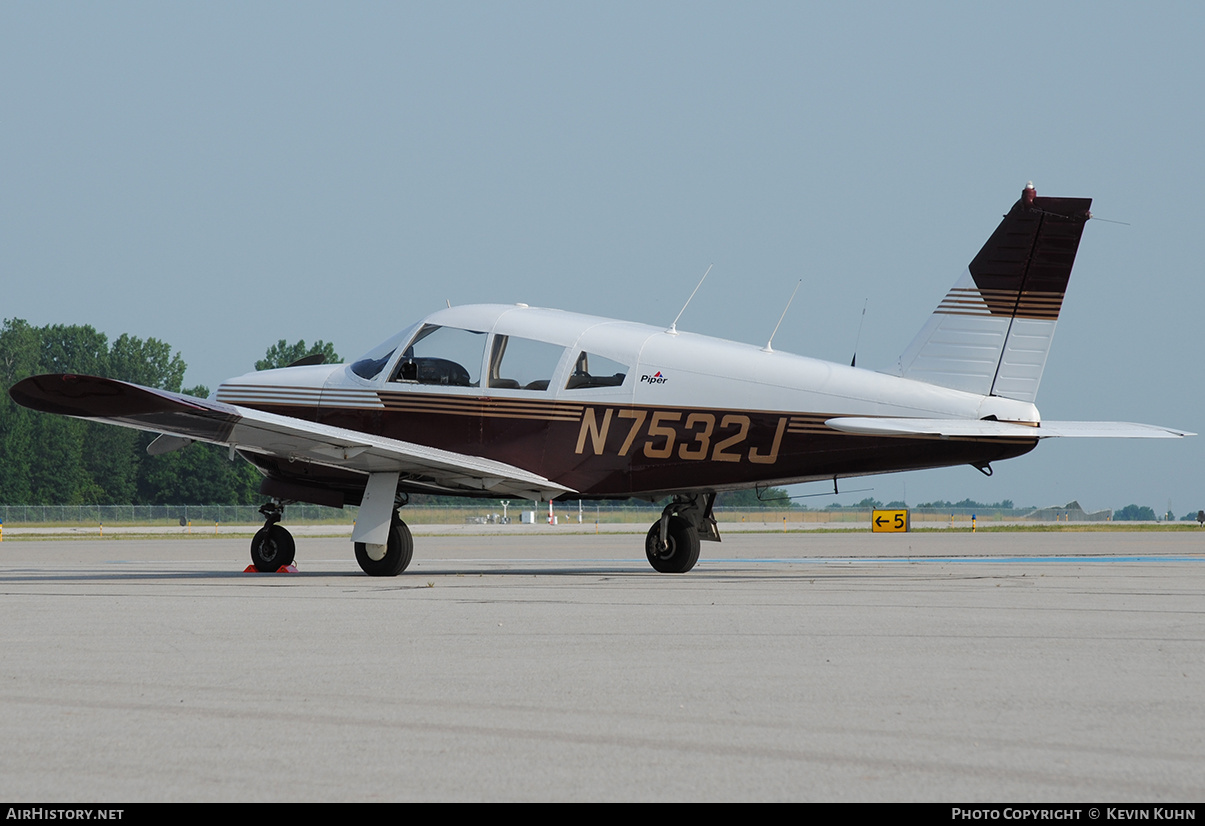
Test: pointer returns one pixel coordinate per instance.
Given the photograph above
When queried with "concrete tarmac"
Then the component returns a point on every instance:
(955, 667)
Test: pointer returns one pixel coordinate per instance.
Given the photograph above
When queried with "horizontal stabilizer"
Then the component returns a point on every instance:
(992, 429)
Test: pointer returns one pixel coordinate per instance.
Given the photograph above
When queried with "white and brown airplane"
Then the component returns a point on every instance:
(515, 401)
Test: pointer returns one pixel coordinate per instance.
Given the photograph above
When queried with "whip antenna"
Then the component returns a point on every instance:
(854, 361)
(768, 348)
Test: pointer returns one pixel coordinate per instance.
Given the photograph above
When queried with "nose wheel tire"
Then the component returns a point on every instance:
(680, 551)
(391, 559)
(271, 548)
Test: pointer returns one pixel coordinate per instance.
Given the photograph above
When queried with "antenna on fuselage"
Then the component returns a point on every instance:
(853, 362)
(673, 328)
(768, 348)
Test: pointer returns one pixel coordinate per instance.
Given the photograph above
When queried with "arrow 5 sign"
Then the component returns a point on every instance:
(889, 521)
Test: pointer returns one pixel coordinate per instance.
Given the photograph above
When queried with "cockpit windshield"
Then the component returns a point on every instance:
(370, 365)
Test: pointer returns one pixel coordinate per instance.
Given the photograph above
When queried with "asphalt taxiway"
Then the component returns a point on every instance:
(553, 666)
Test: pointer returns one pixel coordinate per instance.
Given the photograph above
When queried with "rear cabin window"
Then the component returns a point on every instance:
(445, 356)
(523, 363)
(591, 370)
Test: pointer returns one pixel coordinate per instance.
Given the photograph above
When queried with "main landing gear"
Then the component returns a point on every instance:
(389, 559)
(273, 547)
(672, 543)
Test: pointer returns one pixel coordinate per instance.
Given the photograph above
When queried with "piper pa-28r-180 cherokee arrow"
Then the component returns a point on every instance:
(515, 401)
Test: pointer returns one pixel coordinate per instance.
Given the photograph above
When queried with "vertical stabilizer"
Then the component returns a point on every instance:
(992, 332)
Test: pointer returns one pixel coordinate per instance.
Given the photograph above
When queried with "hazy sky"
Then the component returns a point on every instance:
(223, 175)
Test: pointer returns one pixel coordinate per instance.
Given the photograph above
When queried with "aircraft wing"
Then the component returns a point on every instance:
(183, 418)
(989, 429)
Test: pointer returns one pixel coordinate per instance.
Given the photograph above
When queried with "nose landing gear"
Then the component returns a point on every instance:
(272, 546)
(672, 543)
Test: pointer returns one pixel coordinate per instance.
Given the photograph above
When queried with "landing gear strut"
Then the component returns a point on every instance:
(272, 547)
(672, 543)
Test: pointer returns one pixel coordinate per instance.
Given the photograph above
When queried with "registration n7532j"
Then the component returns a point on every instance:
(663, 434)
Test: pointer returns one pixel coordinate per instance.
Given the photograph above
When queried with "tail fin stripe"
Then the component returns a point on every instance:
(971, 301)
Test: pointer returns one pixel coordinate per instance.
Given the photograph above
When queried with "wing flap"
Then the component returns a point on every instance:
(259, 431)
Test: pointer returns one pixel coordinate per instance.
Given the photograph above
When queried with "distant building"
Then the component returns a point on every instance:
(1071, 512)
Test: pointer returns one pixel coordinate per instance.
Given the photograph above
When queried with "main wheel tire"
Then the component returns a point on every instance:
(272, 548)
(681, 549)
(398, 552)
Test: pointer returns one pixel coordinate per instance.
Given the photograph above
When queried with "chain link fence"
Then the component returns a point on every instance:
(490, 510)
(159, 514)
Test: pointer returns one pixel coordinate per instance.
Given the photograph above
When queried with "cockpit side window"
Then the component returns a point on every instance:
(522, 363)
(442, 356)
(592, 370)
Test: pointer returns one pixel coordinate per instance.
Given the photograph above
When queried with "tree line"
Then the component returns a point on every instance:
(56, 460)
